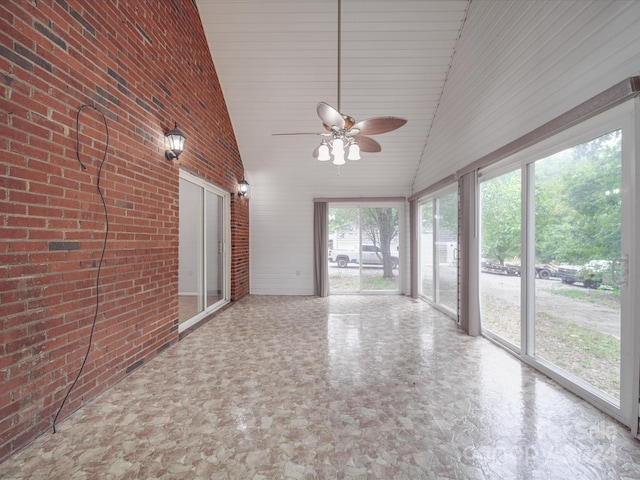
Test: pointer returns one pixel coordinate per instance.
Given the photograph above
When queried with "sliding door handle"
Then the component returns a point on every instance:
(623, 263)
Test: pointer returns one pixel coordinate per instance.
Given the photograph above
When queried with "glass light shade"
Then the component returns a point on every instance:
(244, 187)
(176, 139)
(354, 152)
(338, 147)
(323, 152)
(338, 157)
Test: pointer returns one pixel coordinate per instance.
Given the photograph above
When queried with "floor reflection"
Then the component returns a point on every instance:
(338, 387)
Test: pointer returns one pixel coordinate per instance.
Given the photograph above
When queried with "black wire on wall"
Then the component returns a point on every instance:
(104, 244)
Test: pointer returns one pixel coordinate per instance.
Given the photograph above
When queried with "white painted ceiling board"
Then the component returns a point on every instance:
(277, 60)
(531, 61)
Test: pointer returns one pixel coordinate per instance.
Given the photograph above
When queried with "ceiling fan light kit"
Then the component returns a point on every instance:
(345, 135)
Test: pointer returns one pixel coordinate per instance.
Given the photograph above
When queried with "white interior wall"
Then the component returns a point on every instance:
(519, 64)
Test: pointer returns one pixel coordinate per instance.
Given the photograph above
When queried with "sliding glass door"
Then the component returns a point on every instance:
(577, 224)
(204, 258)
(364, 249)
(191, 251)
(554, 258)
(214, 247)
(426, 286)
(439, 251)
(500, 284)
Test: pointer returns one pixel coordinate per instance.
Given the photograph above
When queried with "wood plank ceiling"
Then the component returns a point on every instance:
(276, 60)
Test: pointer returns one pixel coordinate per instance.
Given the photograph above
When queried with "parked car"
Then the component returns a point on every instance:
(371, 255)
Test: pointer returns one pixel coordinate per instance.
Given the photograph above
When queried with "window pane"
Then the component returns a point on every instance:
(214, 248)
(578, 233)
(446, 246)
(500, 219)
(344, 235)
(190, 255)
(380, 260)
(426, 250)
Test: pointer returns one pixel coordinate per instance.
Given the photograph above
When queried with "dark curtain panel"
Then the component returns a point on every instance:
(468, 264)
(320, 249)
(414, 228)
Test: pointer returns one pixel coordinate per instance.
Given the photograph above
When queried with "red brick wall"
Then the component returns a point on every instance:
(144, 70)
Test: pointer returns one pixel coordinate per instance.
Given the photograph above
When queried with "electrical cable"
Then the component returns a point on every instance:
(104, 244)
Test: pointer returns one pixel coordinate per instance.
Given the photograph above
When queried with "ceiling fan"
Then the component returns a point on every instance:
(344, 134)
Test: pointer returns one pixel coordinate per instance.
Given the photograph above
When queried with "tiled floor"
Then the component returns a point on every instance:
(340, 387)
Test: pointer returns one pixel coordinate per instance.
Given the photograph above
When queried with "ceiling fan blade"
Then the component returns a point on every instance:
(330, 116)
(367, 144)
(376, 126)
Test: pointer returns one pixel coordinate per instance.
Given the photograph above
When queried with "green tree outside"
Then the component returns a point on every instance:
(577, 206)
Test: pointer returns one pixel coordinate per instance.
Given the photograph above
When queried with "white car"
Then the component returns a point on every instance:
(371, 255)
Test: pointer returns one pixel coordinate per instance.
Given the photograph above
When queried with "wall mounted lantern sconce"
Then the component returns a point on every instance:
(175, 139)
(244, 188)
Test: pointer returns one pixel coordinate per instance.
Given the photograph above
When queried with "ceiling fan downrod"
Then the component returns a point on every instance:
(339, 51)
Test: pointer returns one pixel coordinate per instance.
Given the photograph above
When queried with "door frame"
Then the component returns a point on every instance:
(400, 204)
(226, 250)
